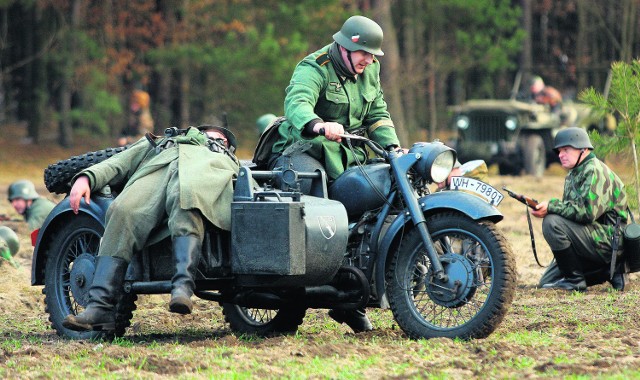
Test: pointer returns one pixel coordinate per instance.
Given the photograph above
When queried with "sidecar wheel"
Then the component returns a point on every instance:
(57, 177)
(262, 322)
(68, 276)
(481, 280)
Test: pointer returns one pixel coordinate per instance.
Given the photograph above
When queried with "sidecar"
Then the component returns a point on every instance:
(283, 255)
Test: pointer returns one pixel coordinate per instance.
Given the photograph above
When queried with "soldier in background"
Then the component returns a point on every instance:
(543, 94)
(263, 121)
(9, 245)
(140, 120)
(27, 202)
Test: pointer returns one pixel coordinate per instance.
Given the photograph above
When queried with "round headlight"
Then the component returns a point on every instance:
(436, 160)
(511, 123)
(462, 122)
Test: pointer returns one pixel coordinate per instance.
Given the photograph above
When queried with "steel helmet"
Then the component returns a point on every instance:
(263, 121)
(574, 137)
(231, 138)
(360, 33)
(22, 189)
(10, 238)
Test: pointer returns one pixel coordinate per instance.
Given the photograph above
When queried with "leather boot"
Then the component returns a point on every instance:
(186, 255)
(105, 290)
(619, 281)
(571, 269)
(356, 319)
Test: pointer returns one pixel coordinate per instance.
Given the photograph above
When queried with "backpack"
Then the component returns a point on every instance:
(265, 143)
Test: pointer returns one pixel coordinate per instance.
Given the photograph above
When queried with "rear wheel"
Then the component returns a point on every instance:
(263, 322)
(481, 280)
(69, 274)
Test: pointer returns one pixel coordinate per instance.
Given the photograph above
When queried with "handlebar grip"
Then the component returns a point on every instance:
(321, 132)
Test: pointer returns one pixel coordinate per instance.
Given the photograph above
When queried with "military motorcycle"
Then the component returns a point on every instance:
(376, 237)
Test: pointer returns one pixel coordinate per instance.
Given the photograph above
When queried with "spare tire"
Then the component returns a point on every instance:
(57, 177)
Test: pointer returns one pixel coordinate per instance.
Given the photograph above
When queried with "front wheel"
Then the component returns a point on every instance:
(263, 322)
(480, 286)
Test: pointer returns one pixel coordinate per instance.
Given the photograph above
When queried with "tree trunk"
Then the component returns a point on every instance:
(391, 73)
(526, 57)
(65, 137)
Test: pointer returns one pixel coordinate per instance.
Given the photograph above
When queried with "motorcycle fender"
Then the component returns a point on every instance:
(57, 217)
(470, 205)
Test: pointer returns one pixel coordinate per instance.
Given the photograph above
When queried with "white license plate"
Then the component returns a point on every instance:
(485, 191)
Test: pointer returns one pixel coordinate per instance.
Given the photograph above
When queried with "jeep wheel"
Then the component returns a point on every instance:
(534, 155)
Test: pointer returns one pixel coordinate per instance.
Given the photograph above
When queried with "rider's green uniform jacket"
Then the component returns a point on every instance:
(205, 177)
(316, 91)
(38, 212)
(593, 195)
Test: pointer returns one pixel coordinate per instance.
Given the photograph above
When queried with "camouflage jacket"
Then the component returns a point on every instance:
(593, 195)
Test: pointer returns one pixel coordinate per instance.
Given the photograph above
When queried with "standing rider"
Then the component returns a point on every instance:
(332, 91)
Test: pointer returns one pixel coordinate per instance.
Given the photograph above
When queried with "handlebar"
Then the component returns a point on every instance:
(372, 145)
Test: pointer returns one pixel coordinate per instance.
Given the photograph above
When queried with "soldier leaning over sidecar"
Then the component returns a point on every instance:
(186, 177)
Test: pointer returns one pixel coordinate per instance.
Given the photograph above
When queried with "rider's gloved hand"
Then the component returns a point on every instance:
(332, 131)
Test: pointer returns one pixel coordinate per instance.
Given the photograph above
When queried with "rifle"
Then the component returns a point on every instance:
(7, 218)
(532, 203)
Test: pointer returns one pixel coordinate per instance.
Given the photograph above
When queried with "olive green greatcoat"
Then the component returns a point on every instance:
(178, 181)
(317, 92)
(38, 212)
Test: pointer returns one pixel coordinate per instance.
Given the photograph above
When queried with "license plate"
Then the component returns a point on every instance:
(485, 191)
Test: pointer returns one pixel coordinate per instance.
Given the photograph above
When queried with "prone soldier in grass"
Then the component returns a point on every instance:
(580, 227)
(27, 202)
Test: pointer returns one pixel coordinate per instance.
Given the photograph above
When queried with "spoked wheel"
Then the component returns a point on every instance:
(69, 274)
(263, 322)
(481, 279)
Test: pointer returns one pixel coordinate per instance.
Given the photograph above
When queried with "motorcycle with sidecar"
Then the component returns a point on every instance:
(376, 237)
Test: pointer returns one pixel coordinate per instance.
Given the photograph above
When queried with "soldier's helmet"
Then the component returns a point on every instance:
(11, 239)
(360, 33)
(231, 138)
(574, 137)
(263, 121)
(22, 189)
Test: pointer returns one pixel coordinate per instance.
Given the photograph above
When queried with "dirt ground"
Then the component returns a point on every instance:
(588, 351)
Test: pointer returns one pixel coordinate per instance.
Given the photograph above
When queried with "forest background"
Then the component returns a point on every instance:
(67, 67)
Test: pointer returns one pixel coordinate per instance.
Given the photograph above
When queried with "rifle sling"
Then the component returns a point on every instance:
(533, 241)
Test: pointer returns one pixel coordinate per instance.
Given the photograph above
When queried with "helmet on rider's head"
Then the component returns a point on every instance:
(22, 189)
(360, 33)
(11, 239)
(231, 138)
(263, 121)
(574, 137)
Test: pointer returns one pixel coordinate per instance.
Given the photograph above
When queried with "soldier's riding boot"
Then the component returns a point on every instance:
(105, 290)
(356, 319)
(186, 255)
(571, 269)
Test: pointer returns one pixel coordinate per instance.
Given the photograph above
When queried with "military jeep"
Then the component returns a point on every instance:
(517, 135)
